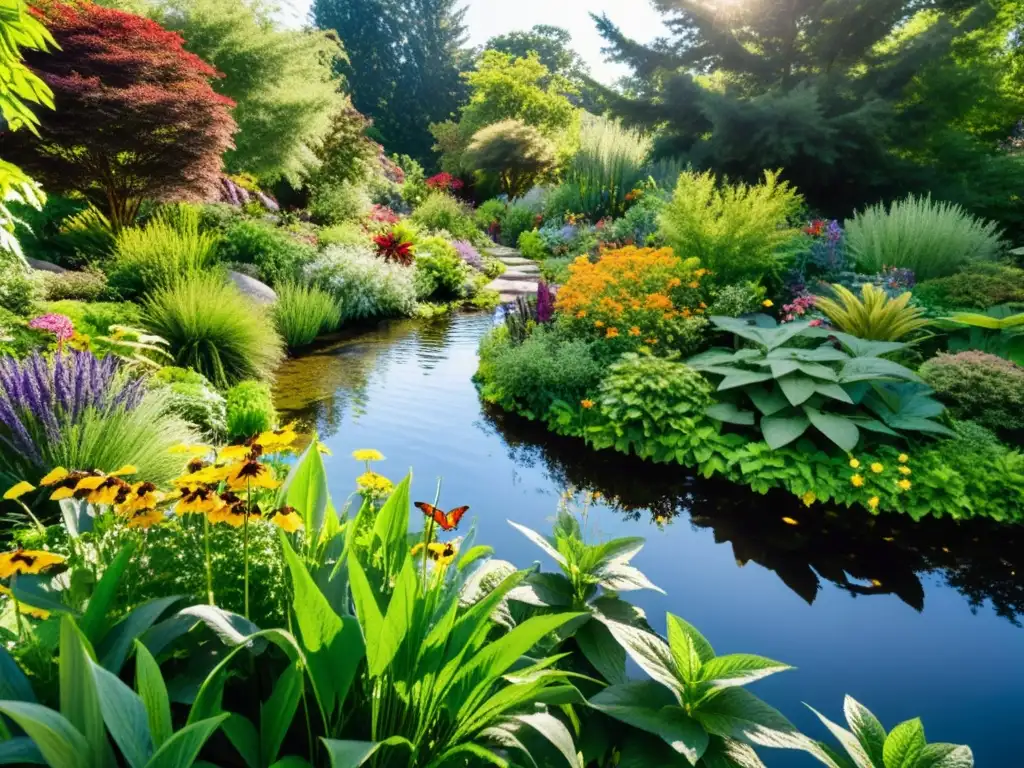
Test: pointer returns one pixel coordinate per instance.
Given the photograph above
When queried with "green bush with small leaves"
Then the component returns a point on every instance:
(979, 386)
(442, 212)
(277, 255)
(194, 400)
(517, 218)
(87, 285)
(532, 245)
(441, 274)
(336, 203)
(981, 285)
(250, 409)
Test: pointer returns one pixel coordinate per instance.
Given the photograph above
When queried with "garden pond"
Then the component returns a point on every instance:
(912, 619)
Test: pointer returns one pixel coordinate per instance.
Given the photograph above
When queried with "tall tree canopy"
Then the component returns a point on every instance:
(404, 60)
(283, 82)
(136, 117)
(831, 92)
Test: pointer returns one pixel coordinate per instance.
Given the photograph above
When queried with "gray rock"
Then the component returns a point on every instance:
(45, 266)
(253, 288)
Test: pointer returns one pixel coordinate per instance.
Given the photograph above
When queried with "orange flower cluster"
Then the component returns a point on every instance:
(633, 294)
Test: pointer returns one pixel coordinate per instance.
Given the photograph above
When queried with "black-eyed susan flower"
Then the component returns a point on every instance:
(140, 496)
(367, 454)
(278, 440)
(205, 475)
(250, 474)
(235, 513)
(102, 489)
(27, 561)
(54, 476)
(18, 490)
(286, 518)
(442, 554)
(200, 500)
(145, 518)
(235, 452)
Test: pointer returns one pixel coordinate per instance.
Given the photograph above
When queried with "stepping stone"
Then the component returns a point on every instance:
(520, 279)
(510, 290)
(500, 251)
(517, 261)
(528, 277)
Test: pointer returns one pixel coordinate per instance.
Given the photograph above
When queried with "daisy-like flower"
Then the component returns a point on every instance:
(278, 440)
(903, 458)
(250, 474)
(199, 500)
(54, 476)
(203, 475)
(287, 519)
(234, 511)
(373, 485)
(19, 490)
(102, 489)
(145, 518)
(611, 333)
(857, 481)
(905, 470)
(904, 484)
(141, 496)
(442, 554)
(235, 452)
(27, 561)
(873, 502)
(27, 610)
(367, 454)
(877, 468)
(855, 463)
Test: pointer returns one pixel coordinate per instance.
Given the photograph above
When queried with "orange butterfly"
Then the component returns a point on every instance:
(448, 521)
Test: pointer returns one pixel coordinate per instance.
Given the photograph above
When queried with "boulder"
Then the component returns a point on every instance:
(259, 292)
(45, 266)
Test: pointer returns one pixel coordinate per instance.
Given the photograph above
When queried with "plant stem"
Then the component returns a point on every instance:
(17, 614)
(209, 563)
(245, 541)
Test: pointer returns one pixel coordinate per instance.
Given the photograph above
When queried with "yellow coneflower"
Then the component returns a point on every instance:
(250, 474)
(203, 476)
(367, 454)
(279, 439)
(442, 554)
(19, 490)
(234, 452)
(145, 518)
(198, 501)
(29, 561)
(287, 519)
(140, 496)
(54, 476)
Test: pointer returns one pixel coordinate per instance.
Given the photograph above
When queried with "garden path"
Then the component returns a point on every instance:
(521, 275)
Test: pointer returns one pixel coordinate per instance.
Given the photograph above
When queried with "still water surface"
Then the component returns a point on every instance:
(911, 619)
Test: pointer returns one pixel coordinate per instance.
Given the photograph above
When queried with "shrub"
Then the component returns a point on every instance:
(739, 232)
(489, 214)
(19, 287)
(440, 273)
(517, 219)
(556, 270)
(392, 248)
(737, 300)
(980, 285)
(212, 327)
(632, 297)
(514, 154)
(469, 254)
(250, 409)
(303, 312)
(348, 233)
(639, 225)
(78, 412)
(95, 318)
(336, 203)
(606, 169)
(494, 267)
(873, 315)
(933, 239)
(194, 400)
(441, 211)
(170, 247)
(979, 386)
(277, 256)
(529, 377)
(87, 285)
(364, 285)
(532, 245)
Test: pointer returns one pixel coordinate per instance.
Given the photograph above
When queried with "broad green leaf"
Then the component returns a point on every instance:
(20, 750)
(125, 716)
(818, 371)
(904, 744)
(684, 654)
(743, 379)
(768, 402)
(866, 728)
(381, 650)
(857, 754)
(333, 646)
(277, 712)
(736, 713)
(541, 542)
(153, 691)
(783, 430)
(393, 521)
(352, 754)
(472, 749)
(555, 732)
(602, 651)
(946, 756)
(839, 429)
(780, 368)
(291, 762)
(182, 749)
(619, 577)
(797, 388)
(729, 753)
(730, 414)
(700, 643)
(651, 653)
(867, 368)
(79, 701)
(370, 617)
(57, 739)
(834, 391)
(739, 669)
(305, 489)
(93, 622)
(14, 686)
(636, 704)
(544, 590)
(231, 628)
(114, 649)
(243, 737)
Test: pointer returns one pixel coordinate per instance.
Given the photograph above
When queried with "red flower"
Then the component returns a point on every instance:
(444, 181)
(393, 249)
(815, 228)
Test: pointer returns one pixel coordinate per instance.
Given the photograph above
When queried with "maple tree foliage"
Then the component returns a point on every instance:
(136, 118)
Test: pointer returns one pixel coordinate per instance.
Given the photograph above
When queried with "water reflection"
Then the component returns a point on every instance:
(861, 554)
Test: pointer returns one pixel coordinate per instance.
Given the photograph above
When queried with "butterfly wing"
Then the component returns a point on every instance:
(434, 513)
(453, 517)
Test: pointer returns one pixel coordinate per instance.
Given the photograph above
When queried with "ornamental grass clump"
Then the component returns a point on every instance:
(633, 297)
(364, 285)
(304, 312)
(212, 327)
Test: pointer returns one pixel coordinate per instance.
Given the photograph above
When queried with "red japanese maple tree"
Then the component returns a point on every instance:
(135, 119)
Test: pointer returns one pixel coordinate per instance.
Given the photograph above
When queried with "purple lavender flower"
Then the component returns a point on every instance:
(40, 399)
(469, 254)
(545, 303)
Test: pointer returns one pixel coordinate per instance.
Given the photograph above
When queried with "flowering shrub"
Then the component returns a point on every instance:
(800, 306)
(365, 285)
(380, 214)
(444, 182)
(59, 325)
(635, 296)
(979, 386)
(469, 254)
(391, 248)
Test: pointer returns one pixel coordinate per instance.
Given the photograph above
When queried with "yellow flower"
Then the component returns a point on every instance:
(198, 500)
(695, 284)
(674, 282)
(54, 476)
(442, 554)
(587, 403)
(905, 470)
(322, 448)
(278, 440)
(599, 323)
(141, 496)
(204, 476)
(634, 331)
(903, 458)
(904, 484)
(287, 519)
(26, 561)
(857, 481)
(855, 463)
(127, 469)
(809, 498)
(195, 449)
(28, 610)
(234, 515)
(767, 303)
(873, 502)
(581, 314)
(651, 341)
(877, 468)
(19, 490)
(250, 474)
(234, 452)
(367, 454)
(612, 333)
(374, 485)
(145, 518)
(789, 521)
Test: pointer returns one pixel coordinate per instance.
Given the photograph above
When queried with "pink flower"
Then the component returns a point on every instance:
(816, 323)
(59, 325)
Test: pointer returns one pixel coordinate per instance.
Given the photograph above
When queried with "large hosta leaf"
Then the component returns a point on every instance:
(839, 429)
(783, 430)
(797, 388)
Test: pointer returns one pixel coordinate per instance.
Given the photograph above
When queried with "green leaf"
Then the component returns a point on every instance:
(60, 743)
(381, 650)
(651, 653)
(602, 651)
(305, 489)
(739, 669)
(700, 643)
(555, 732)
(619, 577)
(684, 654)
(848, 741)
(393, 521)
(244, 738)
(839, 429)
(780, 368)
(643, 707)
(866, 728)
(79, 701)
(868, 368)
(783, 430)
(818, 371)
(368, 612)
(736, 713)
(153, 691)
(125, 717)
(114, 649)
(14, 685)
(20, 750)
(93, 623)
(946, 756)
(728, 753)
(742, 379)
(797, 389)
(544, 590)
(291, 762)
(352, 754)
(730, 414)
(834, 391)
(904, 744)
(182, 749)
(334, 646)
(541, 542)
(768, 402)
(277, 712)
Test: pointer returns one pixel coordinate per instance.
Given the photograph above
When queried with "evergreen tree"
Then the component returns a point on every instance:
(822, 89)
